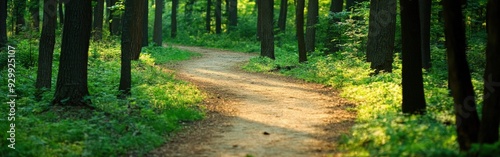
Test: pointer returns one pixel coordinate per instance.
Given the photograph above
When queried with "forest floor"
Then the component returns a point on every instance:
(252, 114)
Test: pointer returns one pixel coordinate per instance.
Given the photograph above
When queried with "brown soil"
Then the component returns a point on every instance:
(251, 114)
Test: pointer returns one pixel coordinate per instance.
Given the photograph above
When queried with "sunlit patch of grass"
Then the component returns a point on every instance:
(116, 127)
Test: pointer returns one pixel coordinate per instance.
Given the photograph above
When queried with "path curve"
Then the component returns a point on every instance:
(257, 115)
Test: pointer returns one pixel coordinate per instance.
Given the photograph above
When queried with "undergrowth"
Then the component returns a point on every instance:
(115, 127)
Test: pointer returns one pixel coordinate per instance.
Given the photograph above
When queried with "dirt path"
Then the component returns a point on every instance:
(255, 114)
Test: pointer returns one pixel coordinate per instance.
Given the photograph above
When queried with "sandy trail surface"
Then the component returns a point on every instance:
(260, 115)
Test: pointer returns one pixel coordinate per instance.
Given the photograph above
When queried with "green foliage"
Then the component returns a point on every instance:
(116, 127)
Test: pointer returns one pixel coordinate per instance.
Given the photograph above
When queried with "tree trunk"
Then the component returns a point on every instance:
(135, 28)
(312, 20)
(467, 120)
(425, 25)
(381, 34)
(145, 25)
(34, 8)
(299, 22)
(412, 82)
(157, 35)
(98, 20)
(3, 24)
(19, 9)
(282, 17)
(491, 96)
(71, 87)
(208, 18)
(267, 36)
(233, 13)
(173, 29)
(46, 46)
(61, 13)
(332, 41)
(218, 16)
(130, 42)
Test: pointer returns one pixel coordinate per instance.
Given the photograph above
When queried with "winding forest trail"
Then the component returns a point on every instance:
(259, 115)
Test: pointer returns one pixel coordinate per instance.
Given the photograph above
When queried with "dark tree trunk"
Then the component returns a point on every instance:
(381, 34)
(19, 9)
(116, 20)
(467, 120)
(61, 13)
(299, 22)
(312, 20)
(130, 42)
(282, 17)
(145, 25)
(267, 36)
(491, 97)
(157, 35)
(46, 46)
(412, 81)
(71, 87)
(208, 16)
(233, 13)
(218, 16)
(173, 23)
(34, 8)
(135, 28)
(334, 35)
(425, 25)
(98, 19)
(3, 24)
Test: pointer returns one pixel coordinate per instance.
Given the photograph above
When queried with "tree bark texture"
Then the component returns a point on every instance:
(173, 23)
(233, 13)
(299, 23)
(467, 120)
(412, 81)
(46, 45)
(381, 35)
(208, 16)
(98, 20)
(71, 87)
(145, 24)
(312, 21)
(135, 28)
(3, 24)
(267, 36)
(425, 25)
(158, 26)
(218, 16)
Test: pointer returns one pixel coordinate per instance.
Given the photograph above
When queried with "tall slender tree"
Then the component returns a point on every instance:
(46, 46)
(98, 20)
(3, 24)
(130, 42)
(19, 10)
(467, 120)
(218, 16)
(491, 96)
(208, 16)
(425, 26)
(412, 82)
(232, 6)
(381, 34)
(71, 87)
(173, 23)
(157, 31)
(267, 36)
(312, 21)
(299, 22)
(282, 16)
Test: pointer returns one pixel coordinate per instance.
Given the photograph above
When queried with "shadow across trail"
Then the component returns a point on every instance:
(257, 114)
